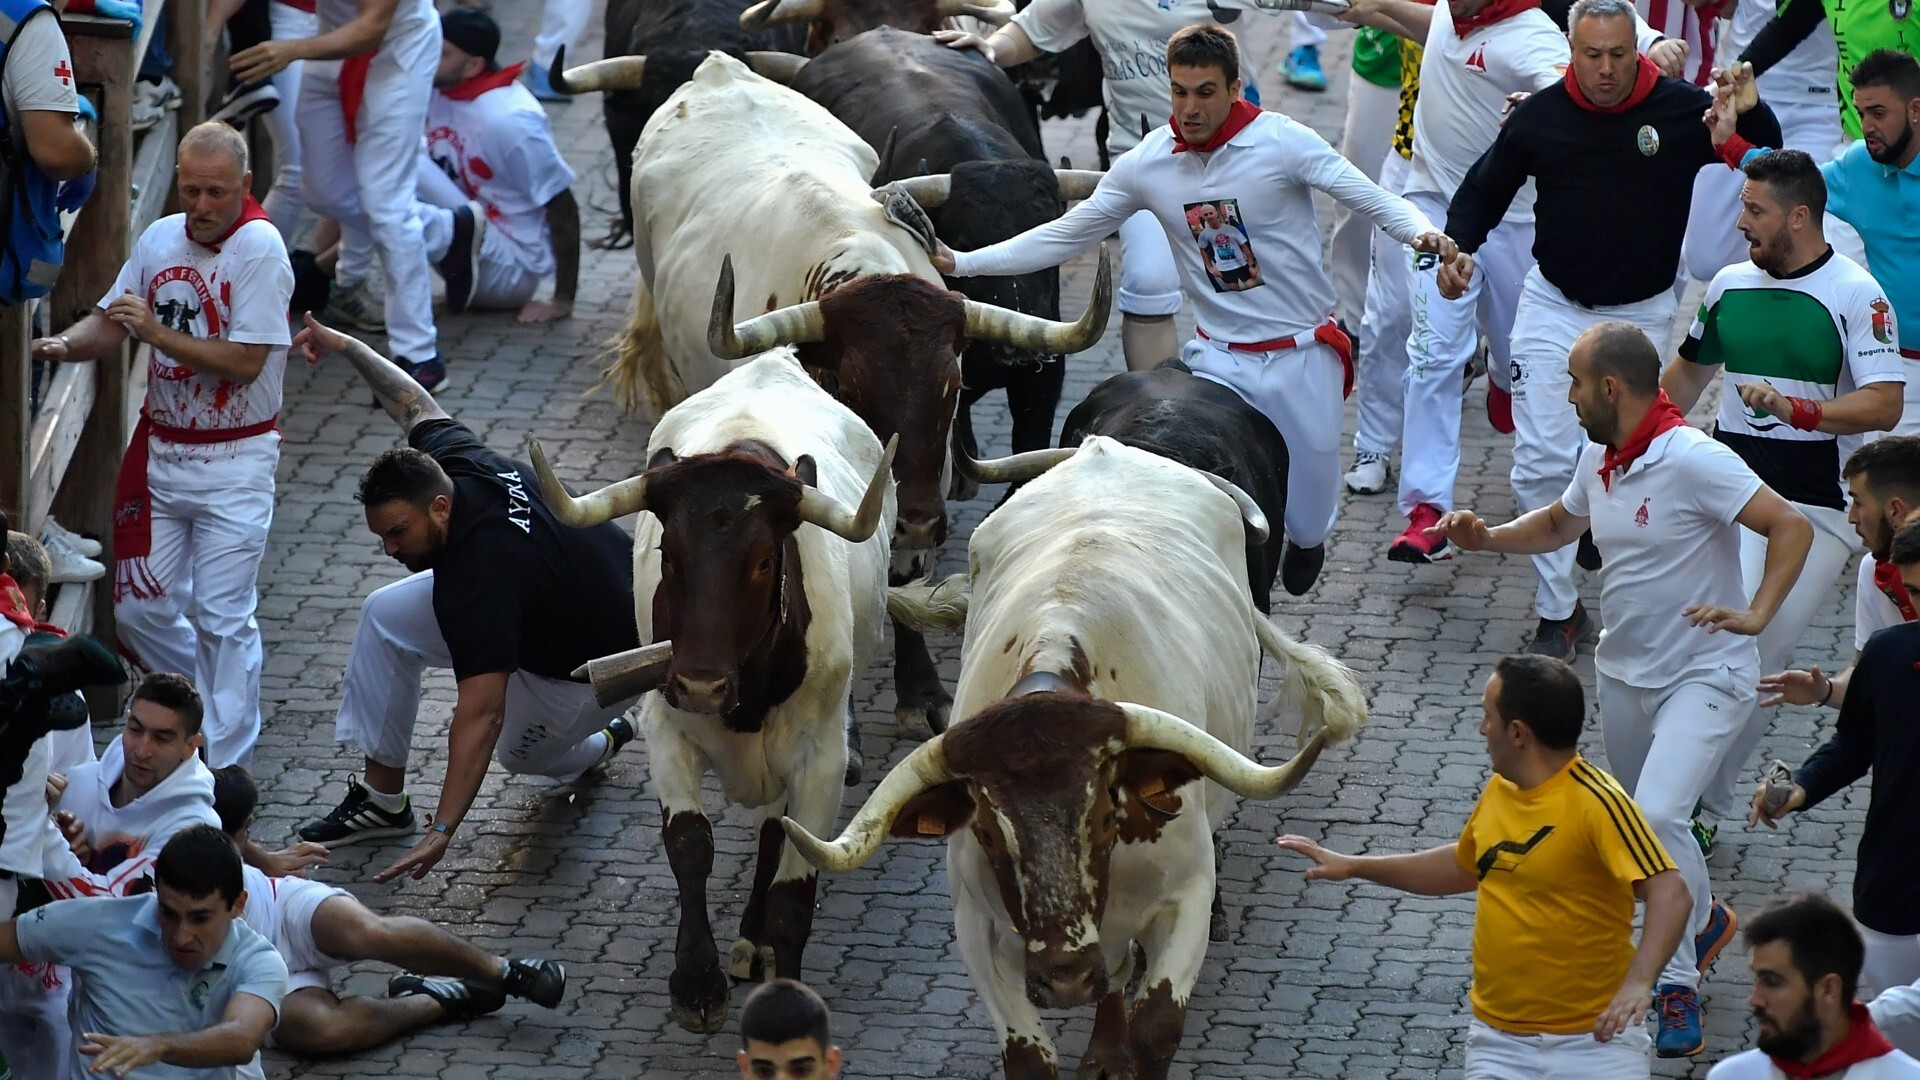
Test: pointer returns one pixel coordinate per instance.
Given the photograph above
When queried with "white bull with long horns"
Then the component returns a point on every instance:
(1107, 696)
(760, 581)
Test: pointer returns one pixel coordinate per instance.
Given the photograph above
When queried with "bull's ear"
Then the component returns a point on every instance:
(1148, 779)
(804, 470)
(934, 813)
(662, 456)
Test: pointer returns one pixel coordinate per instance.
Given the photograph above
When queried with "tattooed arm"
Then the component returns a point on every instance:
(405, 400)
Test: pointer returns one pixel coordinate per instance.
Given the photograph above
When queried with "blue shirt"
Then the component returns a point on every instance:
(1883, 204)
(125, 983)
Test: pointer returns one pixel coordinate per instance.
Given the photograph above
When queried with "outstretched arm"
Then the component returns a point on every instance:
(404, 399)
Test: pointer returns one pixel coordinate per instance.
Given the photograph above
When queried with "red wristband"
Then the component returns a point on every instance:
(1734, 150)
(1806, 414)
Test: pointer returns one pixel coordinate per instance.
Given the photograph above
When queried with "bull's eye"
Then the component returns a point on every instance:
(765, 567)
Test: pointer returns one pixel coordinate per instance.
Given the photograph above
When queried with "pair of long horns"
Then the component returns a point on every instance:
(775, 12)
(630, 496)
(624, 72)
(1146, 729)
(932, 192)
(804, 322)
(1020, 468)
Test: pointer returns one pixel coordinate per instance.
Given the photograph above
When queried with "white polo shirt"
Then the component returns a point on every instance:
(1464, 83)
(1667, 532)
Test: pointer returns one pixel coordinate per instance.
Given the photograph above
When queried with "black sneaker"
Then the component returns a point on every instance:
(431, 374)
(619, 732)
(1300, 567)
(243, 103)
(460, 266)
(1560, 638)
(1587, 555)
(461, 999)
(543, 982)
(357, 819)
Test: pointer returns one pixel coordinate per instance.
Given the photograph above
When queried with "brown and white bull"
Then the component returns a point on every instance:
(740, 180)
(1107, 699)
(760, 555)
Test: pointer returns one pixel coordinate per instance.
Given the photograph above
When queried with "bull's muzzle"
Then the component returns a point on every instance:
(1059, 978)
(700, 692)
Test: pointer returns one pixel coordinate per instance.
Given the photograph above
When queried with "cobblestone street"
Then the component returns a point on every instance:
(1317, 980)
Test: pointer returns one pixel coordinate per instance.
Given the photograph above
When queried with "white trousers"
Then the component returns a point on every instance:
(502, 284)
(1380, 384)
(1299, 390)
(1367, 141)
(285, 202)
(1833, 548)
(206, 553)
(1311, 29)
(1892, 969)
(1663, 746)
(1493, 1054)
(1440, 343)
(553, 726)
(35, 1035)
(562, 22)
(368, 185)
(1713, 239)
(1149, 281)
(1547, 438)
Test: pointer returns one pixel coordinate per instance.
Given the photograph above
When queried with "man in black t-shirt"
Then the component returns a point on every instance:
(504, 594)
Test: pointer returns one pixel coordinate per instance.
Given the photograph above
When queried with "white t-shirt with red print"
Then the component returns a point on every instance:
(498, 147)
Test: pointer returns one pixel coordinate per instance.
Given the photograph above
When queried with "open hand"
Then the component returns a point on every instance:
(1627, 1008)
(1743, 621)
(1327, 865)
(1463, 529)
(133, 315)
(425, 856)
(1795, 688)
(120, 1054)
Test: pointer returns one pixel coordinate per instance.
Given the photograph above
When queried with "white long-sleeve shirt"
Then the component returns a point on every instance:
(1261, 183)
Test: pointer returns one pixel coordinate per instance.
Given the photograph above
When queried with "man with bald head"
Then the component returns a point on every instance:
(1675, 680)
(208, 290)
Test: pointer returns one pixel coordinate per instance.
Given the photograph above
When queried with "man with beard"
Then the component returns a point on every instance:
(1674, 683)
(1872, 186)
(1883, 486)
(1807, 341)
(502, 592)
(1886, 878)
(1806, 964)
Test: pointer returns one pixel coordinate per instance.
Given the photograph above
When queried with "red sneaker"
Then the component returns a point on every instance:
(1499, 409)
(1414, 545)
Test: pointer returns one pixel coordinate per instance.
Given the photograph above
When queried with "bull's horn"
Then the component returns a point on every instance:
(922, 770)
(774, 12)
(997, 12)
(778, 66)
(613, 73)
(829, 513)
(1151, 729)
(627, 674)
(615, 500)
(787, 326)
(1250, 511)
(1077, 183)
(1017, 469)
(929, 191)
(1022, 331)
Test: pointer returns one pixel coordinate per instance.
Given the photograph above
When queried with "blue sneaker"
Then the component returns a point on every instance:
(1302, 69)
(541, 84)
(1721, 923)
(1679, 1011)
(430, 374)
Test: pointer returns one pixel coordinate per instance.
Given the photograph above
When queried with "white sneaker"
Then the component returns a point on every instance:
(52, 532)
(355, 307)
(152, 100)
(69, 566)
(1368, 475)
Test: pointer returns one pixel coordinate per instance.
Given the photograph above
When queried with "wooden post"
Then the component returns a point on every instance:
(16, 379)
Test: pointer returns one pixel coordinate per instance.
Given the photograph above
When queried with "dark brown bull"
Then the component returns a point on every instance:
(830, 22)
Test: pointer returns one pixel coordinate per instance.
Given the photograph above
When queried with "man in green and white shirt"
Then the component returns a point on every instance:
(1807, 338)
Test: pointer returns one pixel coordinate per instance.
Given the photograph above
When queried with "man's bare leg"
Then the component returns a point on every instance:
(1146, 340)
(314, 1021)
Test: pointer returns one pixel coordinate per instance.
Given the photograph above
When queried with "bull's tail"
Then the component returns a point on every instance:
(1320, 686)
(925, 607)
(641, 376)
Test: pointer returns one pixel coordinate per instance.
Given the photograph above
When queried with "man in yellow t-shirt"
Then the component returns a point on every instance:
(1557, 853)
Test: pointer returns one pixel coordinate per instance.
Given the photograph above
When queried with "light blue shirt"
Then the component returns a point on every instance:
(1882, 203)
(125, 983)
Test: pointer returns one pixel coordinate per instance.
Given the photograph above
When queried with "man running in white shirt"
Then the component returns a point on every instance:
(1675, 680)
(1808, 347)
(1271, 338)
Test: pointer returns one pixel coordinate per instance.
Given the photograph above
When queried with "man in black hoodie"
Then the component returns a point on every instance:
(1613, 151)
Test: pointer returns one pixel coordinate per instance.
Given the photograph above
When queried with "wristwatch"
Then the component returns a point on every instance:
(441, 827)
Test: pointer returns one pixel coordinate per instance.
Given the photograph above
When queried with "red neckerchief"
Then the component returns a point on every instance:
(353, 90)
(1242, 113)
(133, 500)
(1662, 416)
(1643, 82)
(1886, 578)
(1863, 1043)
(1492, 13)
(48, 628)
(468, 89)
(249, 211)
(13, 604)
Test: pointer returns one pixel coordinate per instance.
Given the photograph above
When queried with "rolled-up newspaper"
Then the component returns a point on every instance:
(1325, 7)
(1776, 785)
